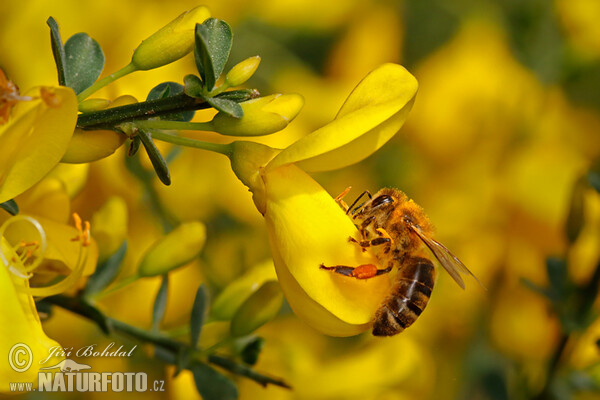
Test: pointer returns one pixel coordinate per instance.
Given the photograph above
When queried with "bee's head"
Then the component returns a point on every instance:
(380, 204)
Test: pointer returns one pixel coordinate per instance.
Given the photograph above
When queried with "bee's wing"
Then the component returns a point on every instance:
(448, 260)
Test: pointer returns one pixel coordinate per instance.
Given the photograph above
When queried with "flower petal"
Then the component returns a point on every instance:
(307, 228)
(19, 313)
(36, 138)
(371, 115)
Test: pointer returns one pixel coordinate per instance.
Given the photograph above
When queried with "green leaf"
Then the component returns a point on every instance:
(193, 86)
(557, 275)
(84, 62)
(134, 146)
(226, 106)
(10, 206)
(157, 160)
(57, 50)
(197, 318)
(170, 89)
(213, 385)
(576, 217)
(160, 303)
(537, 288)
(593, 177)
(213, 44)
(106, 272)
(252, 350)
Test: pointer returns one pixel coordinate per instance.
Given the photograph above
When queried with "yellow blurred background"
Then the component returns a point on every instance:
(505, 122)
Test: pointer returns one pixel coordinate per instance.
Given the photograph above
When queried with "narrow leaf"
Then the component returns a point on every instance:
(226, 106)
(84, 61)
(10, 206)
(252, 350)
(538, 289)
(213, 385)
(106, 272)
(160, 303)
(593, 178)
(213, 44)
(57, 50)
(557, 274)
(157, 160)
(198, 312)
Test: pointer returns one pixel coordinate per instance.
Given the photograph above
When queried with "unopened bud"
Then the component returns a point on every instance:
(90, 105)
(109, 227)
(170, 43)
(262, 116)
(241, 72)
(261, 307)
(177, 248)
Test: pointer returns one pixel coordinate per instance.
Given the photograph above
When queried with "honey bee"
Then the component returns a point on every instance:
(396, 228)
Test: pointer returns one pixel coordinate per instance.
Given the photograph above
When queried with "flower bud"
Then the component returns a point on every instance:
(109, 226)
(242, 71)
(262, 116)
(88, 146)
(176, 249)
(170, 43)
(123, 100)
(234, 295)
(90, 105)
(261, 307)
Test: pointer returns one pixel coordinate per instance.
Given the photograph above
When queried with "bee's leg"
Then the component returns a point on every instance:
(341, 202)
(383, 239)
(364, 271)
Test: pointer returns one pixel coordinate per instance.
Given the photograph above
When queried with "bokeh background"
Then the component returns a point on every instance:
(505, 123)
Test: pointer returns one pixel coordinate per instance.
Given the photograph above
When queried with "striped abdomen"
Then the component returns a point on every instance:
(408, 299)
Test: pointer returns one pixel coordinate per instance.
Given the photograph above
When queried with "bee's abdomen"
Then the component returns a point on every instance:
(408, 298)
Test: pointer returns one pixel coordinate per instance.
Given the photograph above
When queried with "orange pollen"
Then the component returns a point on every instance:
(364, 271)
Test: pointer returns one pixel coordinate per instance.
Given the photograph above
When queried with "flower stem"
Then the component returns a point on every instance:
(129, 68)
(221, 148)
(174, 125)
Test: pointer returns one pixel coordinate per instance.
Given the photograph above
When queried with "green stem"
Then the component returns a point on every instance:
(129, 68)
(221, 148)
(174, 125)
(111, 117)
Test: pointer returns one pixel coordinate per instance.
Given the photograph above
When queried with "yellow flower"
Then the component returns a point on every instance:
(35, 138)
(306, 226)
(25, 343)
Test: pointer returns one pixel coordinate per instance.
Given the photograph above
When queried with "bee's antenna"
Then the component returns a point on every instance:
(356, 201)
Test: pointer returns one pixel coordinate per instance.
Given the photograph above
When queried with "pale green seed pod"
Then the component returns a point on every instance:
(242, 71)
(177, 248)
(171, 42)
(258, 309)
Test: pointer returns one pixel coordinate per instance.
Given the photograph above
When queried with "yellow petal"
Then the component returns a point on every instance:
(371, 115)
(306, 229)
(36, 138)
(258, 309)
(25, 340)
